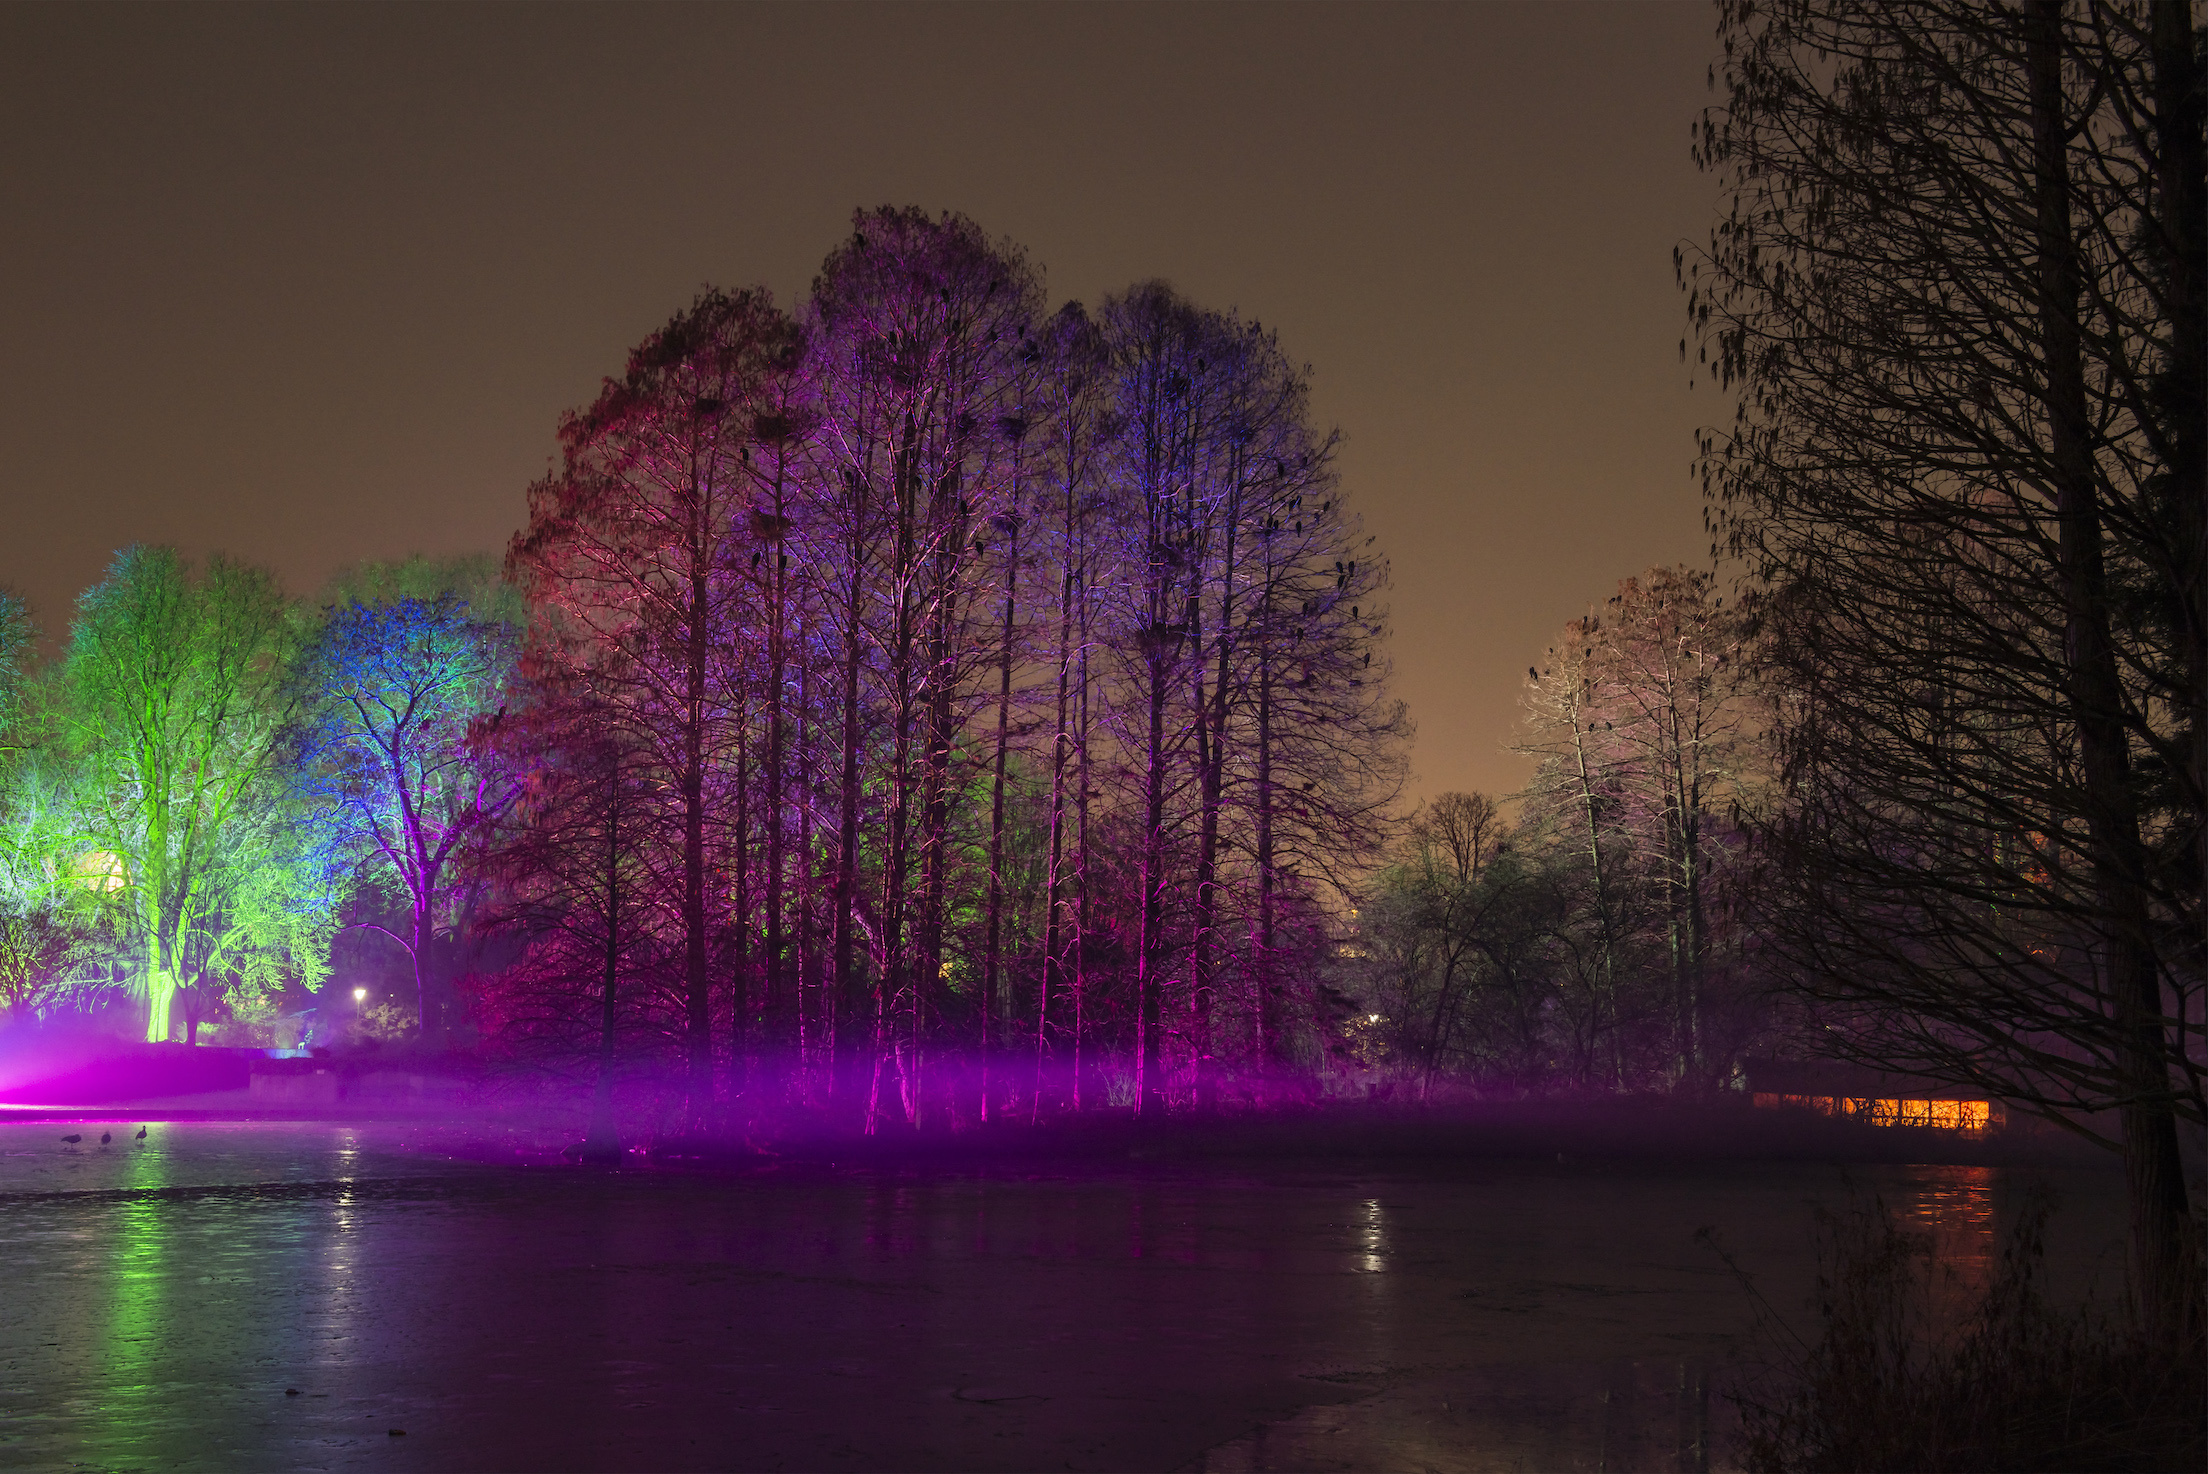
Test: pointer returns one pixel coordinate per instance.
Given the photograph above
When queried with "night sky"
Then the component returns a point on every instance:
(312, 285)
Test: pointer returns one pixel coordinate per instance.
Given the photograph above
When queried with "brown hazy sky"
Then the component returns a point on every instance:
(311, 284)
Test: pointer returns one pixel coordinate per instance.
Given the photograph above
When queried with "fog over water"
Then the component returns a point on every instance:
(506, 1310)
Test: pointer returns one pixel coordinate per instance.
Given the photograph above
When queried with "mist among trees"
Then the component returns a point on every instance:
(925, 704)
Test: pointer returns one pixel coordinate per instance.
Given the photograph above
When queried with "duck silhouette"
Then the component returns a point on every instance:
(72, 1138)
(105, 1138)
(141, 1136)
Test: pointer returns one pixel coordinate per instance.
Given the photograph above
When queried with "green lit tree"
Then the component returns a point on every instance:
(173, 707)
(51, 886)
(48, 908)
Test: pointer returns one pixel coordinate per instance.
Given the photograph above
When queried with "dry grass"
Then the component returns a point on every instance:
(1913, 1370)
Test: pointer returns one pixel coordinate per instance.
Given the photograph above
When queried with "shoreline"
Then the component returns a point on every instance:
(1622, 1129)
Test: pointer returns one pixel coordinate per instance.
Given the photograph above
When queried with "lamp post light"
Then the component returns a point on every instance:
(360, 1000)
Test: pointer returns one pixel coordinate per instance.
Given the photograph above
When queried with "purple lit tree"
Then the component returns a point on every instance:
(893, 599)
(1241, 634)
(918, 323)
(591, 987)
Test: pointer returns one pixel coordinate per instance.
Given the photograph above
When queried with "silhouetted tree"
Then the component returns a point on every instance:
(1945, 295)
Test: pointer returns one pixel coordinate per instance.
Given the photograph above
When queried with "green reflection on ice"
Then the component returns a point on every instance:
(137, 1329)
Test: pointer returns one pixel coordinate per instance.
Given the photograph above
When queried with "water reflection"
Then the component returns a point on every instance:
(1462, 1315)
(136, 1272)
(1374, 1236)
(1955, 1208)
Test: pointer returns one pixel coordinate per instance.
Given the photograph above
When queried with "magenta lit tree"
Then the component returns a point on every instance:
(632, 557)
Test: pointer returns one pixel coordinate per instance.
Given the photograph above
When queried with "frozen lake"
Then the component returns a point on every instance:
(282, 1296)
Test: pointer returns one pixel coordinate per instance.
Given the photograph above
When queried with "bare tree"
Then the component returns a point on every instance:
(919, 321)
(1077, 420)
(402, 690)
(1930, 300)
(628, 558)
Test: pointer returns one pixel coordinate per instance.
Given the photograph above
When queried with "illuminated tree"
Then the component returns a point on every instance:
(1239, 630)
(630, 561)
(782, 429)
(52, 883)
(1314, 744)
(1075, 425)
(918, 323)
(1163, 479)
(175, 705)
(399, 692)
(874, 589)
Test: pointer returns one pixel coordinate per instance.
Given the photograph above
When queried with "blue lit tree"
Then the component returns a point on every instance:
(399, 693)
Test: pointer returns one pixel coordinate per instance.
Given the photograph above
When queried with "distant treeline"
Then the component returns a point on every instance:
(1599, 937)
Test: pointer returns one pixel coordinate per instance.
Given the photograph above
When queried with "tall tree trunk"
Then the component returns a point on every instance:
(1268, 985)
(894, 969)
(161, 989)
(1682, 894)
(1149, 959)
(425, 932)
(817, 1029)
(420, 874)
(847, 814)
(1053, 971)
(774, 1024)
(892, 980)
(992, 958)
(601, 1143)
(1697, 916)
(1081, 843)
(2180, 171)
(741, 1032)
(1211, 752)
(2154, 1169)
(1604, 910)
(927, 981)
(696, 983)
(160, 934)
